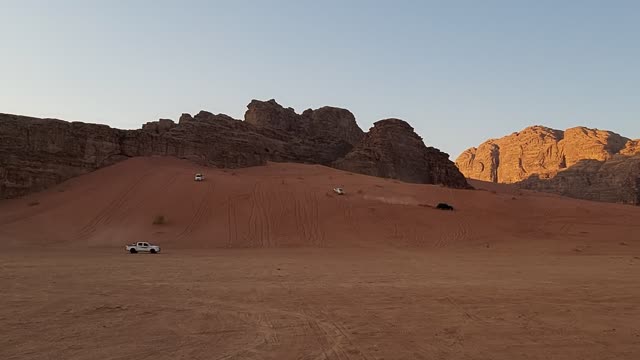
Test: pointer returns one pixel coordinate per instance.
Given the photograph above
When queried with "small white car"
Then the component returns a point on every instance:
(199, 177)
(142, 246)
(338, 191)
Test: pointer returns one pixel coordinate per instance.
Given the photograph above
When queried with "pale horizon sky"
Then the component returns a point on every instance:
(460, 72)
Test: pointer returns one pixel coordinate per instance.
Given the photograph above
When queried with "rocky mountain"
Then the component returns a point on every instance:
(37, 153)
(615, 180)
(578, 162)
(391, 149)
(326, 122)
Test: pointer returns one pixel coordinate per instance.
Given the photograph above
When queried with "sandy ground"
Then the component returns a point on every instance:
(318, 304)
(269, 263)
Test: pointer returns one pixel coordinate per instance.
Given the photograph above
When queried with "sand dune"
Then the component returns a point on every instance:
(283, 205)
(269, 263)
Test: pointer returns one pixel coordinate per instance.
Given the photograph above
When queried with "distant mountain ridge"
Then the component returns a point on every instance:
(578, 162)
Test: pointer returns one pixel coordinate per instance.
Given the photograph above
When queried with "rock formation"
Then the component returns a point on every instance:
(632, 147)
(37, 153)
(316, 136)
(615, 180)
(326, 122)
(578, 162)
(392, 149)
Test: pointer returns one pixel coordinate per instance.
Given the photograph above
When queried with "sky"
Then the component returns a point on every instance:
(460, 72)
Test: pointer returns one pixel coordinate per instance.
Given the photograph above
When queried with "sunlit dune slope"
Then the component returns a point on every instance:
(282, 205)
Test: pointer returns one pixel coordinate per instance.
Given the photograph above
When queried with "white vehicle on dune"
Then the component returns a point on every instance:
(142, 246)
(199, 177)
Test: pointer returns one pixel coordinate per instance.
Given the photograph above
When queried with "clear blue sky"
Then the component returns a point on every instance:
(459, 71)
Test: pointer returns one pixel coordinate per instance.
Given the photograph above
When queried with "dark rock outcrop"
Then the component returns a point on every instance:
(392, 149)
(316, 136)
(159, 127)
(37, 153)
(272, 115)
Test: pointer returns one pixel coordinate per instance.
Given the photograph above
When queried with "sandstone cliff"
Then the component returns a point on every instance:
(615, 180)
(578, 162)
(392, 149)
(37, 153)
(316, 136)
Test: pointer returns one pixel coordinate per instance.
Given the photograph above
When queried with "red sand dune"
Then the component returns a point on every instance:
(283, 205)
(507, 275)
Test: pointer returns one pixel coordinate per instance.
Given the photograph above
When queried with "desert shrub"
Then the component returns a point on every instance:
(159, 220)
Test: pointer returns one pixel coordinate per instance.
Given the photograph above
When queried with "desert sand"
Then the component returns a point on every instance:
(268, 263)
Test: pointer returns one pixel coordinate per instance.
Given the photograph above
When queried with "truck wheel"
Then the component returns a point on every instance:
(153, 251)
(133, 251)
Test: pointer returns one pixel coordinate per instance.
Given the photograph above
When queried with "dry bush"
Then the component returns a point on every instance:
(159, 220)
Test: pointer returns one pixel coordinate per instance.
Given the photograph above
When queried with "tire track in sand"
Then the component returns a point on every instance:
(202, 211)
(318, 235)
(232, 223)
(306, 213)
(469, 315)
(123, 213)
(105, 216)
(265, 215)
(459, 234)
(259, 225)
(333, 338)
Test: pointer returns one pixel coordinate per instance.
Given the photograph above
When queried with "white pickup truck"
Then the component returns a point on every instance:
(142, 247)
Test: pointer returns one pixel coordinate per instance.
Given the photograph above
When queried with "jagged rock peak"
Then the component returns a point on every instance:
(392, 149)
(159, 127)
(207, 116)
(324, 122)
(185, 118)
